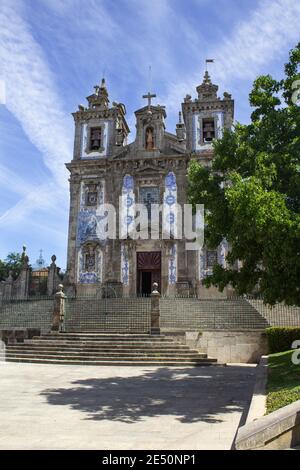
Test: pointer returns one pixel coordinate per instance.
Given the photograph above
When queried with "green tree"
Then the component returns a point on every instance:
(13, 264)
(252, 193)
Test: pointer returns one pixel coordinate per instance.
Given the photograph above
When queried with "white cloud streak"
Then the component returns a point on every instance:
(253, 44)
(31, 93)
(32, 97)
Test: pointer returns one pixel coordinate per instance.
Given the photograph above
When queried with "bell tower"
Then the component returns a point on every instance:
(207, 116)
(100, 128)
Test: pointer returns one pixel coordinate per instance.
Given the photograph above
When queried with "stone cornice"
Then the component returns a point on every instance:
(137, 165)
(215, 105)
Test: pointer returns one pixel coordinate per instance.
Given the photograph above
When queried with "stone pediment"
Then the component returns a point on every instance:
(146, 169)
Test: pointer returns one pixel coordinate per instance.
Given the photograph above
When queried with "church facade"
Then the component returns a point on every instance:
(152, 170)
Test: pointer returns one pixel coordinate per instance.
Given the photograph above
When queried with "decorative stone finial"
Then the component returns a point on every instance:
(99, 99)
(155, 288)
(206, 79)
(53, 259)
(24, 257)
(207, 91)
(227, 96)
(180, 129)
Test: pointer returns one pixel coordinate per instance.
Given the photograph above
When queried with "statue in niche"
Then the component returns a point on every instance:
(149, 139)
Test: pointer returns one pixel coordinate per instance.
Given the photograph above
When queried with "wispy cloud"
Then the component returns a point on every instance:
(32, 97)
(46, 198)
(253, 44)
(20, 186)
(31, 90)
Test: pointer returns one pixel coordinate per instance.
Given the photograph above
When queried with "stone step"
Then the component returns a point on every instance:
(88, 356)
(104, 349)
(104, 335)
(100, 344)
(117, 362)
(129, 338)
(23, 347)
(94, 343)
(112, 331)
(75, 347)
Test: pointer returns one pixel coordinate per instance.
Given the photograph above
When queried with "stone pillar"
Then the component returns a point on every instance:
(53, 278)
(22, 282)
(155, 312)
(71, 274)
(58, 310)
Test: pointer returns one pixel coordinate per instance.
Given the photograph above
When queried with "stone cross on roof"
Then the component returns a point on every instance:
(149, 96)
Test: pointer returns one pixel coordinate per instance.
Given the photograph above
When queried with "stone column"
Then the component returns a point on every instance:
(155, 312)
(71, 274)
(22, 282)
(52, 281)
(113, 261)
(58, 310)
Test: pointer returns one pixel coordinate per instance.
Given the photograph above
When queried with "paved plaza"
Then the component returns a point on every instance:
(87, 407)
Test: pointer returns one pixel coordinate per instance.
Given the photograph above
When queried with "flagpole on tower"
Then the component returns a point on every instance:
(209, 61)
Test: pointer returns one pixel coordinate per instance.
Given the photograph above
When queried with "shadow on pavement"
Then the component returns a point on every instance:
(189, 394)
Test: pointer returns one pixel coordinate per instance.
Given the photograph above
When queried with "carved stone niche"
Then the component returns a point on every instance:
(92, 193)
(89, 257)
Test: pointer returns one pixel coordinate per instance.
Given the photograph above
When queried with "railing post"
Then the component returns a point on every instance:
(58, 310)
(155, 312)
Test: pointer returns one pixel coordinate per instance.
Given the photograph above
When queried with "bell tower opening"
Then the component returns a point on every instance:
(95, 139)
(208, 130)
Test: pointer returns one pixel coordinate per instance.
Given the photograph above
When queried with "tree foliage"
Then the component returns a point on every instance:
(252, 192)
(12, 263)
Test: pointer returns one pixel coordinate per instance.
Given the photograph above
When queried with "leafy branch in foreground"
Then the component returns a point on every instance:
(252, 193)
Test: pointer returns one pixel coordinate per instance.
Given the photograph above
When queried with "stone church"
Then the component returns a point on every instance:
(151, 170)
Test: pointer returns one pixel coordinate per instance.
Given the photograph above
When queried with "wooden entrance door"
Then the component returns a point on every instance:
(148, 271)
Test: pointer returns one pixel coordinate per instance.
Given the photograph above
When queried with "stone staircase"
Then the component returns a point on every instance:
(101, 349)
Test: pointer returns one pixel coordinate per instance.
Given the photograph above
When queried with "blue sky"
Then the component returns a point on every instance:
(52, 53)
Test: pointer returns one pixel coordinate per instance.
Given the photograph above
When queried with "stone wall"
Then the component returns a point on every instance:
(229, 346)
(27, 314)
(279, 430)
(183, 314)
